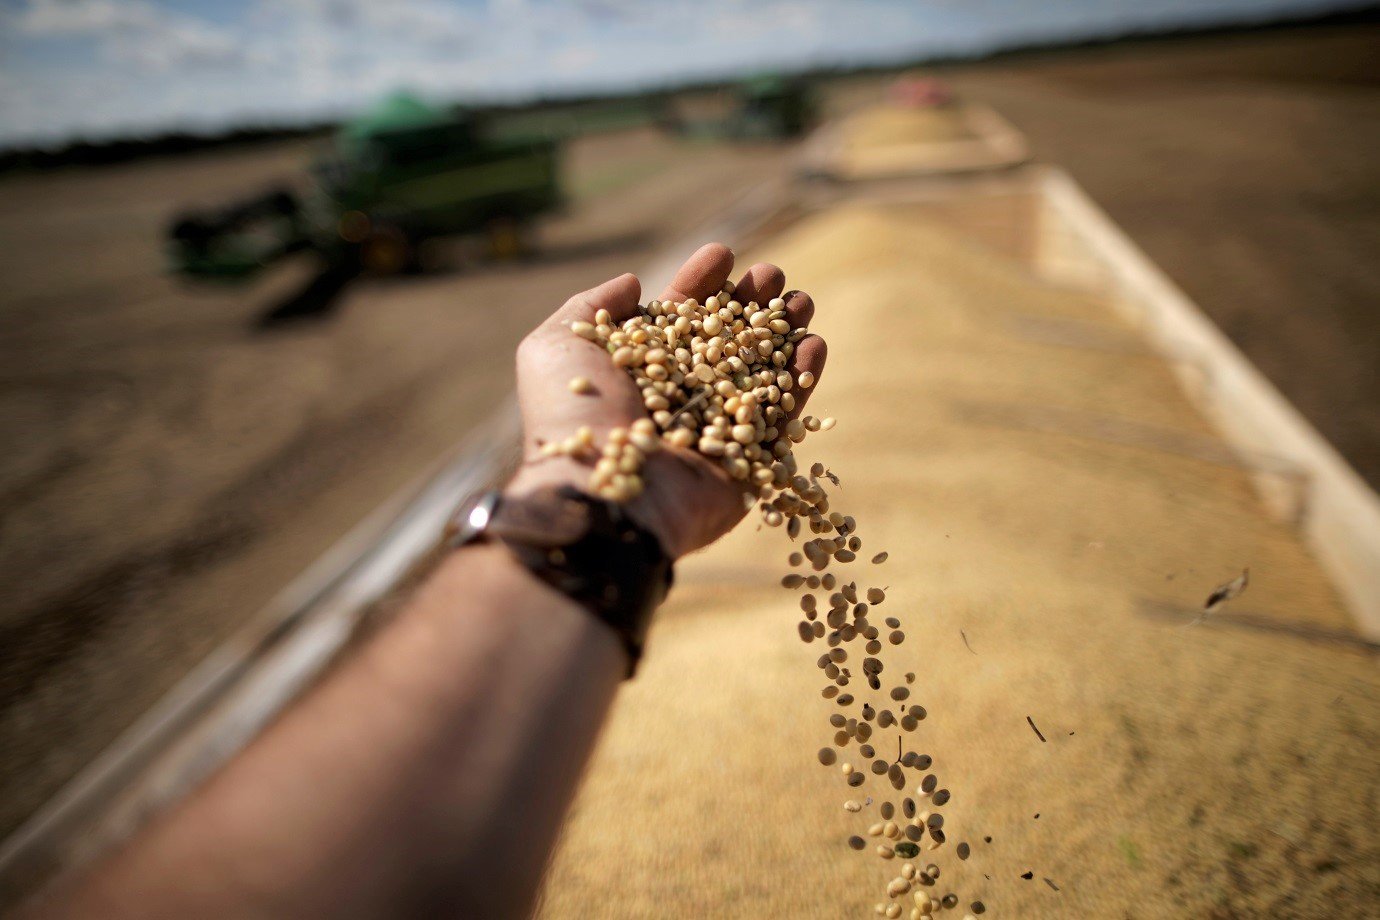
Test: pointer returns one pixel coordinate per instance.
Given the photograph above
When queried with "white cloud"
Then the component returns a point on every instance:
(82, 17)
(132, 32)
(426, 21)
(101, 66)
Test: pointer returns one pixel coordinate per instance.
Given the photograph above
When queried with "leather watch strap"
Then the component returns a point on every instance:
(588, 549)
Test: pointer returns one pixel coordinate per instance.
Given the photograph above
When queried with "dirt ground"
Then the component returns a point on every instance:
(171, 465)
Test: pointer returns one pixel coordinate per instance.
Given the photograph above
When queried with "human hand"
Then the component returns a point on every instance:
(687, 501)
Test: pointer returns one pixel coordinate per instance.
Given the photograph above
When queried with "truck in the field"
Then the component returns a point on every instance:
(402, 173)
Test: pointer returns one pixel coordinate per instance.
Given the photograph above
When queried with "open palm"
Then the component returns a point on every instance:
(688, 501)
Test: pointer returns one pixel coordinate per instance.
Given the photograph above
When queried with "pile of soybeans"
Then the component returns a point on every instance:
(714, 377)
(884, 126)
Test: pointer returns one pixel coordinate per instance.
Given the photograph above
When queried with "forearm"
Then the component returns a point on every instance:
(428, 777)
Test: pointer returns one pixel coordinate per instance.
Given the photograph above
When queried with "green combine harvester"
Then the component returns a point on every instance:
(402, 173)
(772, 107)
(767, 107)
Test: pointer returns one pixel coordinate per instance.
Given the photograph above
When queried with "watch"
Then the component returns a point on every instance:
(585, 547)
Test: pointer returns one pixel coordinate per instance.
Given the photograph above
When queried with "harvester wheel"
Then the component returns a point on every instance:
(386, 251)
(506, 239)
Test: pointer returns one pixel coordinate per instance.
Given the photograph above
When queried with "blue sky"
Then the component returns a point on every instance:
(100, 68)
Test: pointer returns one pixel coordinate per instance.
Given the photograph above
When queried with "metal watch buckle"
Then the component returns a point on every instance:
(472, 519)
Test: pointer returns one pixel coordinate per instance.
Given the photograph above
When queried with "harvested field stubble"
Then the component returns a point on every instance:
(1186, 772)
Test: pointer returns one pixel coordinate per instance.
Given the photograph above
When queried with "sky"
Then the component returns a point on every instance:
(105, 68)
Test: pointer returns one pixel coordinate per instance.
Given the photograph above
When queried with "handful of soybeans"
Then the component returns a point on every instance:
(714, 378)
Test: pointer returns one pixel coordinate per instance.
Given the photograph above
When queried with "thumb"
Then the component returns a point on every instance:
(617, 295)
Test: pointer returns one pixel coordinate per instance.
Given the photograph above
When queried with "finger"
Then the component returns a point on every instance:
(702, 275)
(617, 295)
(760, 283)
(810, 355)
(800, 309)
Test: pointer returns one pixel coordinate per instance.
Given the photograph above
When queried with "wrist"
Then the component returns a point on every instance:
(651, 510)
(589, 549)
